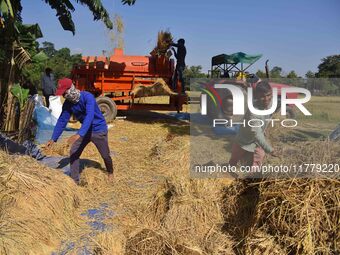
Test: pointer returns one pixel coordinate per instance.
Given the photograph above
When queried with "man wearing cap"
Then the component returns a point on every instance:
(84, 107)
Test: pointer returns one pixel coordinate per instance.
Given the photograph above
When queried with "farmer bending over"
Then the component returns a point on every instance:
(251, 145)
(93, 129)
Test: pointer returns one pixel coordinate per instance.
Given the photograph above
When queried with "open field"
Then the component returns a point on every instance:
(325, 111)
(153, 207)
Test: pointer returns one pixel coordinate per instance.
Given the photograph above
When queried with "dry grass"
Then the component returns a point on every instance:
(37, 206)
(287, 216)
(303, 215)
(181, 216)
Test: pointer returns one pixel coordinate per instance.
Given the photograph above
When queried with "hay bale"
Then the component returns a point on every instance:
(37, 206)
(159, 88)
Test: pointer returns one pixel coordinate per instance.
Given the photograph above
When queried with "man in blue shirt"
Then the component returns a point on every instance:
(84, 107)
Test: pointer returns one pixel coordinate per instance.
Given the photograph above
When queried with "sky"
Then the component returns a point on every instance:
(292, 34)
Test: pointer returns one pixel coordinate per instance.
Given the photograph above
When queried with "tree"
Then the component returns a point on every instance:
(310, 81)
(261, 74)
(329, 67)
(293, 79)
(276, 72)
(292, 75)
(194, 72)
(48, 49)
(11, 9)
(310, 74)
(61, 62)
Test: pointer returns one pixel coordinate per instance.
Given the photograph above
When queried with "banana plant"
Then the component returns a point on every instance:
(21, 94)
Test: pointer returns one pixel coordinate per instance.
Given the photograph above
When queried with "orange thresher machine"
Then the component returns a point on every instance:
(111, 80)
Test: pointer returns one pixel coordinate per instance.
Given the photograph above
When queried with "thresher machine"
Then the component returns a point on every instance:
(112, 79)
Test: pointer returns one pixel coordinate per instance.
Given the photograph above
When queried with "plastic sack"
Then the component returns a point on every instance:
(56, 106)
(44, 119)
(60, 163)
(27, 148)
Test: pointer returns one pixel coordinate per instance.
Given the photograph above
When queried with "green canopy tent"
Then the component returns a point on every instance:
(229, 64)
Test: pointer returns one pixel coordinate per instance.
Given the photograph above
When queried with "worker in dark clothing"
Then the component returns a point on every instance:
(84, 107)
(47, 85)
(180, 66)
(29, 85)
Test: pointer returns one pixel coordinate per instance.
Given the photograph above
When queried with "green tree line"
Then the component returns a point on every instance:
(60, 61)
(326, 81)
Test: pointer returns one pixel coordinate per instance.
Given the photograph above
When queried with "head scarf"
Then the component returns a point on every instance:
(72, 95)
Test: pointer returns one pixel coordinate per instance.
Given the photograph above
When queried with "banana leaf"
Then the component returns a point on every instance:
(21, 94)
(40, 57)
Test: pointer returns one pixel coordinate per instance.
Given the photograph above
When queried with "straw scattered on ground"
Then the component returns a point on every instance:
(159, 209)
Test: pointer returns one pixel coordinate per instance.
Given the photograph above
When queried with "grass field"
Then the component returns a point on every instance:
(325, 111)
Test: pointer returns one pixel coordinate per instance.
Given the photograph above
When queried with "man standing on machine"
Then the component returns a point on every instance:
(180, 66)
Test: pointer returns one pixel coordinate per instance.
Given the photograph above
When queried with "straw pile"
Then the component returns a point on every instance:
(302, 215)
(182, 216)
(159, 88)
(37, 206)
(292, 216)
(109, 243)
(287, 216)
(164, 41)
(158, 209)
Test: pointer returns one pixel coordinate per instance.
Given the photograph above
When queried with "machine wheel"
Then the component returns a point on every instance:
(108, 108)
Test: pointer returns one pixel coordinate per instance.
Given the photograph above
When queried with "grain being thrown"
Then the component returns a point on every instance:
(164, 41)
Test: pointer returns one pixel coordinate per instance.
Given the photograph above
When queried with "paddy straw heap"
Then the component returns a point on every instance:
(37, 206)
(166, 212)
